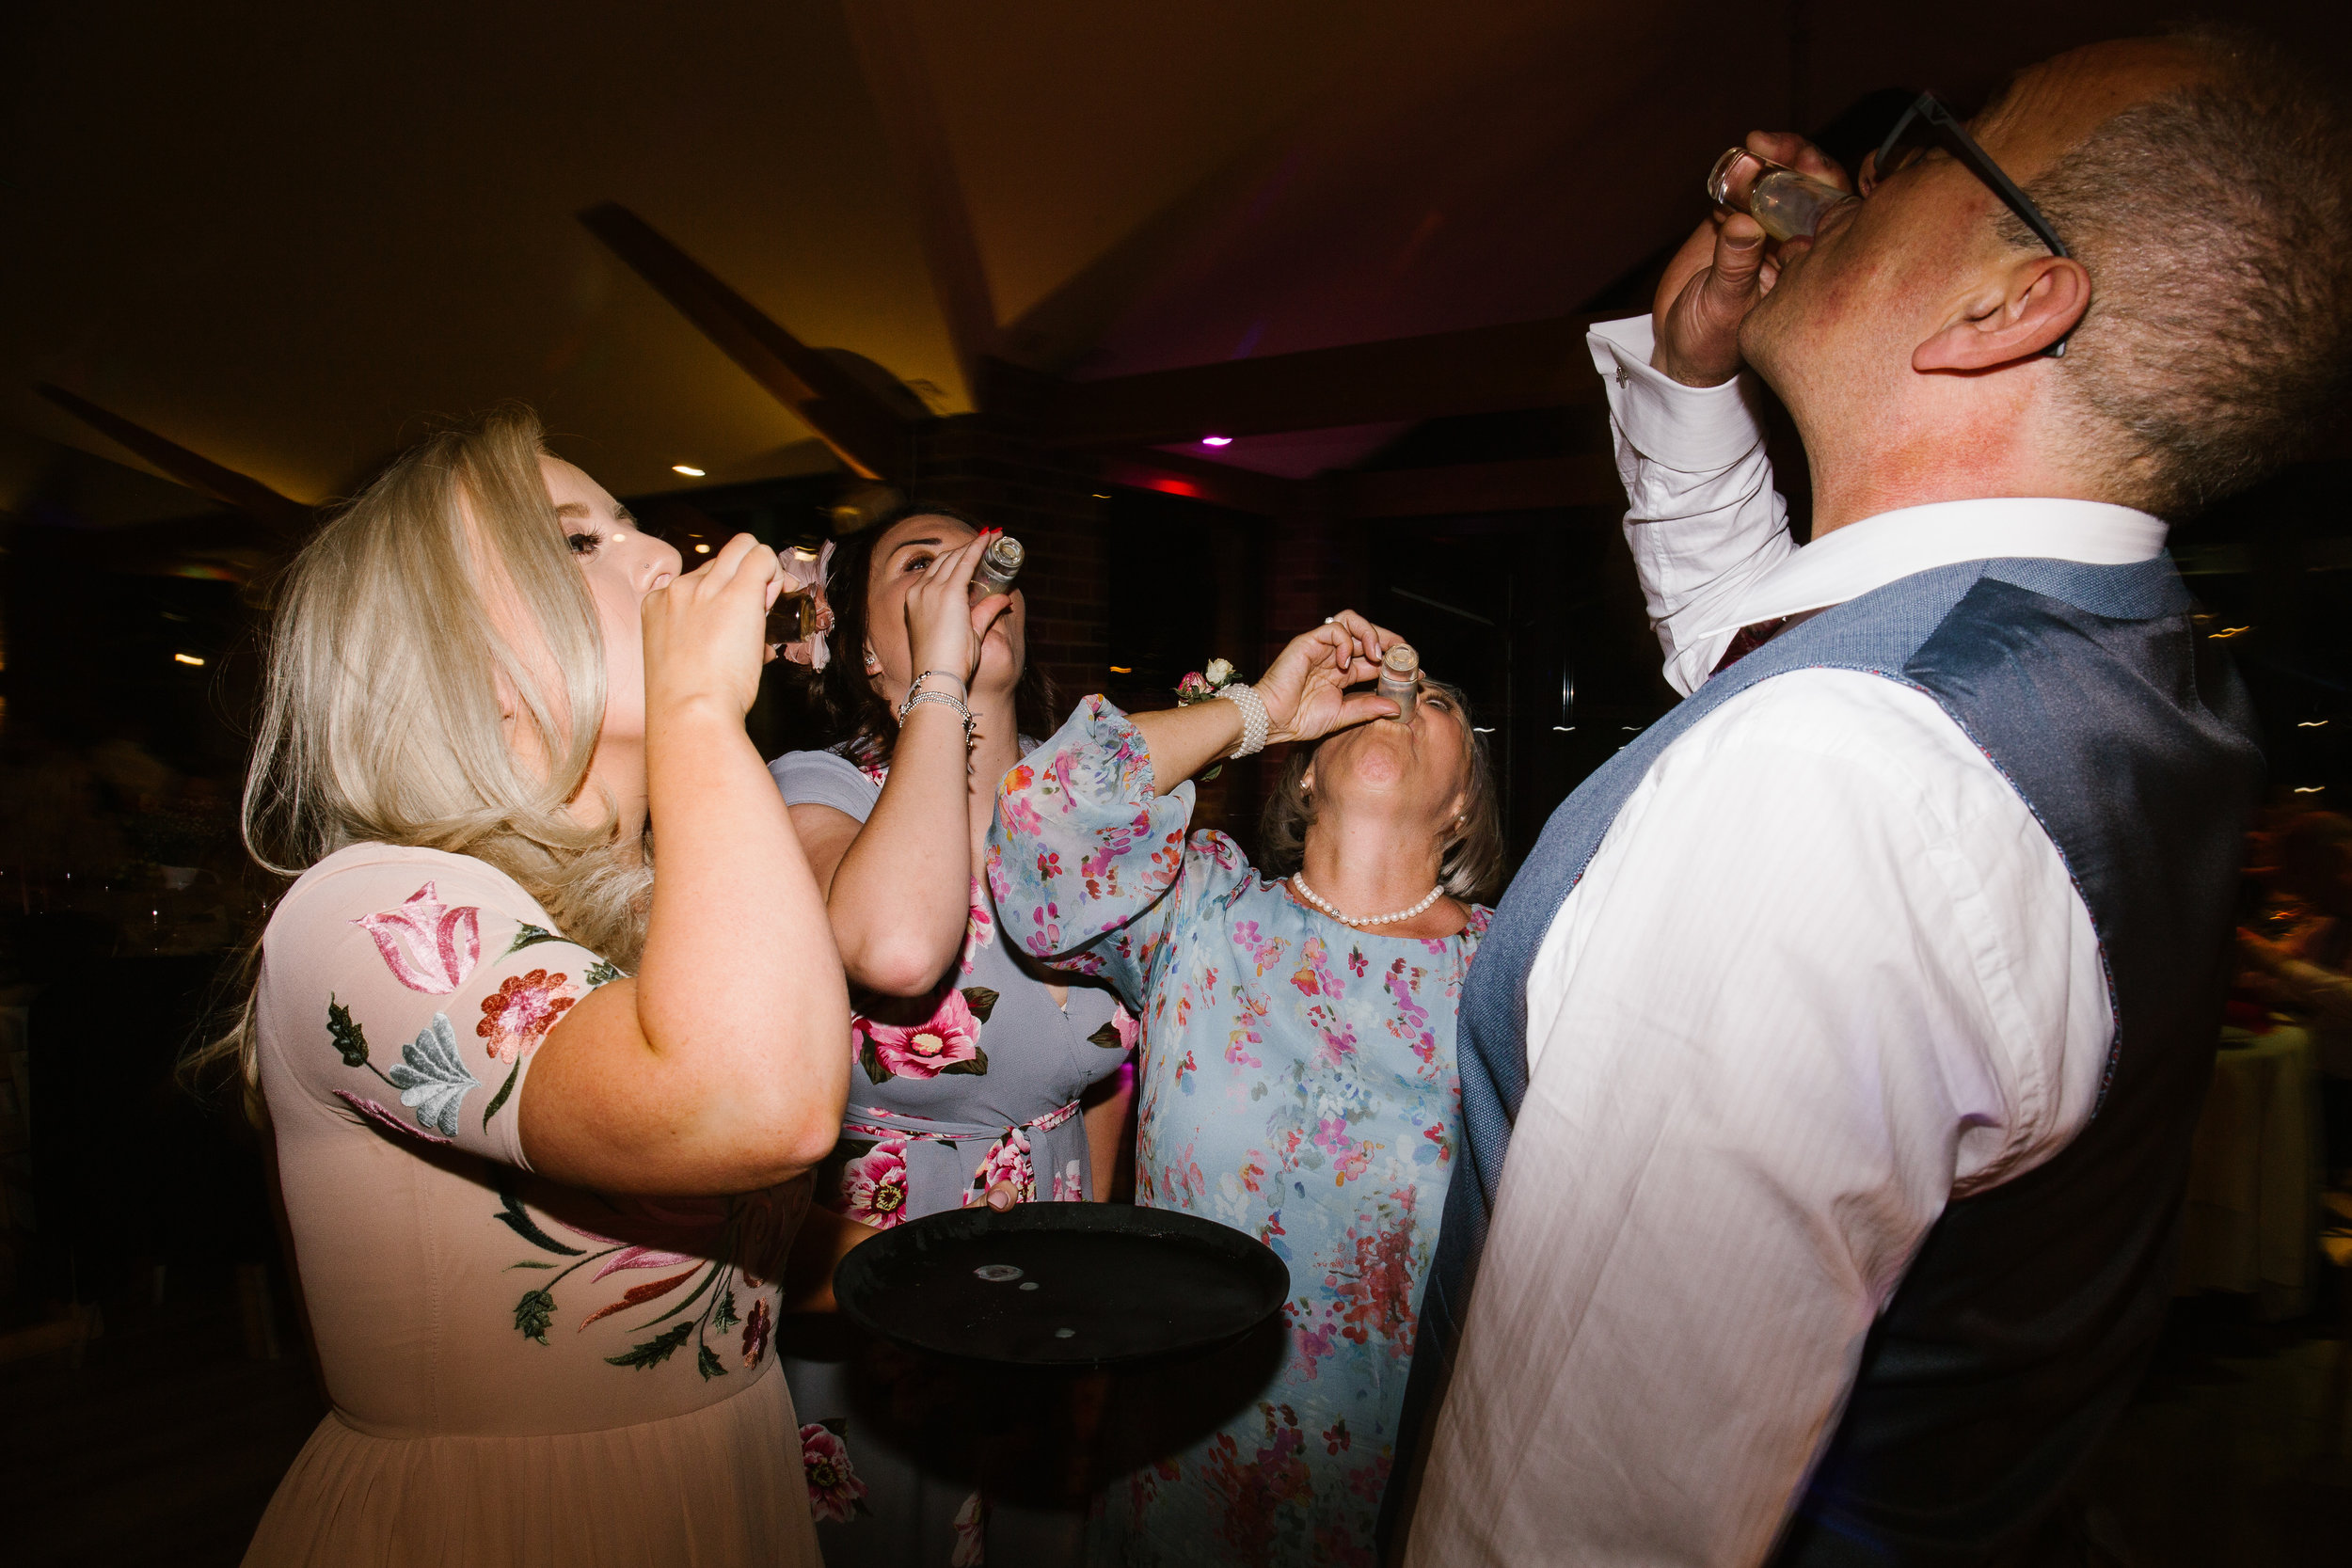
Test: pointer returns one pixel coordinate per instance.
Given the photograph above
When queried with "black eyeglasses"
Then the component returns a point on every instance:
(1928, 124)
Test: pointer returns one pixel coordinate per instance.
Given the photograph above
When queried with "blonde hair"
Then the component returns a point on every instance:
(1470, 861)
(401, 637)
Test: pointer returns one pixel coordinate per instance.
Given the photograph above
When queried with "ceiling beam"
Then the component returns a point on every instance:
(864, 431)
(283, 513)
(892, 55)
(1531, 485)
(1483, 369)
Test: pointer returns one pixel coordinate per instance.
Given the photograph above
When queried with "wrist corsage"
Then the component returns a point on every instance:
(1201, 684)
(1217, 681)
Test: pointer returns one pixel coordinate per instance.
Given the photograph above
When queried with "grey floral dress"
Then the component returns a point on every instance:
(974, 1086)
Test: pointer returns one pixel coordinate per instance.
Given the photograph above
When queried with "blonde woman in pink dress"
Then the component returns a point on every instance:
(506, 1067)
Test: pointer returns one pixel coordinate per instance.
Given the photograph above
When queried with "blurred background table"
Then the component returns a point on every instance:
(2254, 1174)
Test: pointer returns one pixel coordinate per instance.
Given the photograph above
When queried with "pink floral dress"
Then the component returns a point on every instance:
(1296, 1082)
(522, 1372)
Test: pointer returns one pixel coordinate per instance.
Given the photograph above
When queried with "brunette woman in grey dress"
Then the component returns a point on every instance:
(980, 1078)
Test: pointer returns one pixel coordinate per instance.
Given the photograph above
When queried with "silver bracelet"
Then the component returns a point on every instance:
(971, 727)
(1254, 720)
(916, 686)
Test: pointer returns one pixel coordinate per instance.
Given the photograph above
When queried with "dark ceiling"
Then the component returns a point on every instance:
(282, 234)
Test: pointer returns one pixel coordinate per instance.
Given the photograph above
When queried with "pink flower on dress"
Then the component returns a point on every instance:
(1021, 818)
(927, 1049)
(382, 1118)
(835, 1492)
(643, 1258)
(1125, 1022)
(983, 929)
(755, 1332)
(1006, 1164)
(1070, 1185)
(428, 945)
(874, 1185)
(517, 1016)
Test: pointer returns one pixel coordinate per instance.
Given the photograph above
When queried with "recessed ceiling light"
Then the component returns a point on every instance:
(1122, 669)
(702, 550)
(688, 469)
(186, 659)
(1216, 440)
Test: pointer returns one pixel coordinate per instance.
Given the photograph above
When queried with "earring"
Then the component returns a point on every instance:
(873, 665)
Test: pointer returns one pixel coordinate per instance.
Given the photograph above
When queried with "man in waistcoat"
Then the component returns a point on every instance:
(1847, 1031)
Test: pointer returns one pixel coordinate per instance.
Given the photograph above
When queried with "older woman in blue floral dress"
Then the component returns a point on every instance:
(1298, 1075)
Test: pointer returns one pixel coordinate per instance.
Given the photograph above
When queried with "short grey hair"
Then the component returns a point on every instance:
(1470, 863)
(2215, 221)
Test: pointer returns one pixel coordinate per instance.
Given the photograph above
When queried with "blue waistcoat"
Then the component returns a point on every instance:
(2022, 1324)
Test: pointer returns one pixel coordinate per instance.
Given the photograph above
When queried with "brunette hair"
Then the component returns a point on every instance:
(1471, 865)
(854, 713)
(392, 634)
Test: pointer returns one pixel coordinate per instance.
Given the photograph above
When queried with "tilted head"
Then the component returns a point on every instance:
(872, 660)
(2205, 188)
(1430, 776)
(446, 656)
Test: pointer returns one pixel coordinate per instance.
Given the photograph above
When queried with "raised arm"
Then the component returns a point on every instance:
(722, 1066)
(1305, 693)
(899, 886)
(1704, 522)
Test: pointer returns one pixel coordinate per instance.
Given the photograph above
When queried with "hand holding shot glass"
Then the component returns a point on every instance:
(1786, 203)
(800, 618)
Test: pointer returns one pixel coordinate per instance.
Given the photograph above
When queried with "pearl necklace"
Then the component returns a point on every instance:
(1299, 884)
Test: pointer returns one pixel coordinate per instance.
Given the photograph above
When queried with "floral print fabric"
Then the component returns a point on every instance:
(974, 1086)
(405, 994)
(979, 1079)
(1298, 1084)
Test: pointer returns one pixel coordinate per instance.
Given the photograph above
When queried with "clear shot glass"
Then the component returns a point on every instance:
(999, 564)
(1790, 205)
(1399, 679)
(794, 616)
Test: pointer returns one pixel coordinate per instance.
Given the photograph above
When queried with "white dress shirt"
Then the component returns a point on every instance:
(1824, 973)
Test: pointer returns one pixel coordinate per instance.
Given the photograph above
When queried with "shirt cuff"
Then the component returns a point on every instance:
(1688, 428)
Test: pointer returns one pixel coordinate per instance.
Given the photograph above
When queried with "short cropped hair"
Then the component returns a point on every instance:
(2215, 222)
(1470, 868)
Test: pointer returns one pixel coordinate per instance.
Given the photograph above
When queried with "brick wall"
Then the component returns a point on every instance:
(1314, 566)
(1048, 502)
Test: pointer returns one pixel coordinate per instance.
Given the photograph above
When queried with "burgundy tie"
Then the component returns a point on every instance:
(1750, 638)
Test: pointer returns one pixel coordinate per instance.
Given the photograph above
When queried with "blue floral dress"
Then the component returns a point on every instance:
(974, 1085)
(1298, 1084)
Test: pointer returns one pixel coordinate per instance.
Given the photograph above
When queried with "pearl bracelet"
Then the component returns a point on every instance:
(1253, 719)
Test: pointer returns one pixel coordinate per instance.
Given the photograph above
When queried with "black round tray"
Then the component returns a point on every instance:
(1060, 1284)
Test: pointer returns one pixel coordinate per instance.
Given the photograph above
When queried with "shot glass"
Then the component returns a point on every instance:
(999, 564)
(800, 613)
(1790, 205)
(1399, 679)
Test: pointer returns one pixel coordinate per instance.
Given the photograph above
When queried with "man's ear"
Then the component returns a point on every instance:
(2044, 300)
